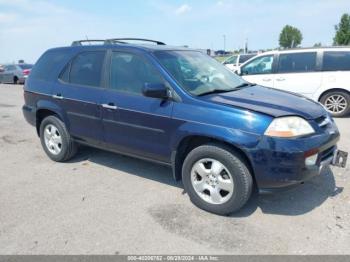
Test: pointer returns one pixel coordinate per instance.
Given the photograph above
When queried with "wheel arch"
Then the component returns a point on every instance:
(192, 141)
(332, 90)
(45, 109)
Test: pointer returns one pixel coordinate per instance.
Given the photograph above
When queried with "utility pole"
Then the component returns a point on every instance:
(224, 36)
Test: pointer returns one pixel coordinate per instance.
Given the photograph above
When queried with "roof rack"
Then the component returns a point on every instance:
(121, 40)
(80, 42)
(115, 41)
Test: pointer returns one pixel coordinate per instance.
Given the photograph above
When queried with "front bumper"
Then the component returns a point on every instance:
(280, 163)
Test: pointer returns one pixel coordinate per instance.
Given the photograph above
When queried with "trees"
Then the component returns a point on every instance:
(290, 37)
(342, 34)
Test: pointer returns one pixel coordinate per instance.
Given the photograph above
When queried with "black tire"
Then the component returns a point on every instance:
(343, 94)
(68, 146)
(242, 178)
(15, 80)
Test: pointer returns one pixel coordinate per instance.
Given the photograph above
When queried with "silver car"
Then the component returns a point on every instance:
(15, 73)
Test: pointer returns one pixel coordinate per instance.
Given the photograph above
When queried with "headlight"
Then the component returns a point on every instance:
(289, 126)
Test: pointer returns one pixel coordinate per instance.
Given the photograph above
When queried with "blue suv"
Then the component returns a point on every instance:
(178, 107)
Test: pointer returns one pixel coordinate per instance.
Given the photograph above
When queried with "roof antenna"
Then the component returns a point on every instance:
(87, 39)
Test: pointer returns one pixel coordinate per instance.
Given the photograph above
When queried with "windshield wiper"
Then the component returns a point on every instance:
(217, 91)
(244, 85)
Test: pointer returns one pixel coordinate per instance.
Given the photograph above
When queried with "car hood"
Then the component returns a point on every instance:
(269, 101)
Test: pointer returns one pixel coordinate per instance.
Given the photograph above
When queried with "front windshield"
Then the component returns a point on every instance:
(198, 73)
(231, 60)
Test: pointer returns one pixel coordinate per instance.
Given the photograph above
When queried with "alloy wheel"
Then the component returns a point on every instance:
(336, 104)
(53, 139)
(212, 181)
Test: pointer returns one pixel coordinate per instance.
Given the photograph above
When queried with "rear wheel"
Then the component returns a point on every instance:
(55, 139)
(337, 103)
(216, 179)
(15, 80)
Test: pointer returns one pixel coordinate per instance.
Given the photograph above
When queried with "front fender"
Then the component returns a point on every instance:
(238, 138)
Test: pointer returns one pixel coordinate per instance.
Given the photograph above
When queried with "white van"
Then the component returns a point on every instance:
(322, 74)
(233, 62)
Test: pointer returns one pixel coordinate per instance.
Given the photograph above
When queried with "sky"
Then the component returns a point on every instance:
(29, 27)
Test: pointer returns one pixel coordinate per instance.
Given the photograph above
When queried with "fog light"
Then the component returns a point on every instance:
(311, 160)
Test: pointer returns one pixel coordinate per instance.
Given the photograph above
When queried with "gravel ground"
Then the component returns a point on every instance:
(104, 203)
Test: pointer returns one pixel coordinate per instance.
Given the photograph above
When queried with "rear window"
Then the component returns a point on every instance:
(297, 62)
(26, 66)
(244, 58)
(336, 61)
(47, 64)
(86, 69)
(10, 67)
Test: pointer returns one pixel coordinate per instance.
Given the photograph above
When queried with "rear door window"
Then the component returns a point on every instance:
(336, 61)
(86, 69)
(297, 62)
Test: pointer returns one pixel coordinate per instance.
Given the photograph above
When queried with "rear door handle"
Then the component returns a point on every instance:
(111, 106)
(280, 79)
(57, 96)
(267, 79)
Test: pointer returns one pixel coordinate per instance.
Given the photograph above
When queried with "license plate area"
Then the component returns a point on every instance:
(340, 158)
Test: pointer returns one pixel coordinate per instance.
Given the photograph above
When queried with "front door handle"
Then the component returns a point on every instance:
(267, 79)
(111, 106)
(57, 96)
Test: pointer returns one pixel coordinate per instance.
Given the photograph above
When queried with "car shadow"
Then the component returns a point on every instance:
(130, 165)
(293, 202)
(297, 201)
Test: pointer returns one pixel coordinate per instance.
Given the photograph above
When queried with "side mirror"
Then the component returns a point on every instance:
(158, 90)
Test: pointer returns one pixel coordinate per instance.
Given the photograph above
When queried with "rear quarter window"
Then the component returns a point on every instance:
(336, 61)
(47, 64)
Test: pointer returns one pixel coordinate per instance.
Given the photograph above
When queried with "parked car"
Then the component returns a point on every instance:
(321, 74)
(233, 62)
(221, 53)
(181, 108)
(15, 73)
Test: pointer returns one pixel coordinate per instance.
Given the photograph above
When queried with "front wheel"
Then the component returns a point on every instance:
(337, 103)
(216, 179)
